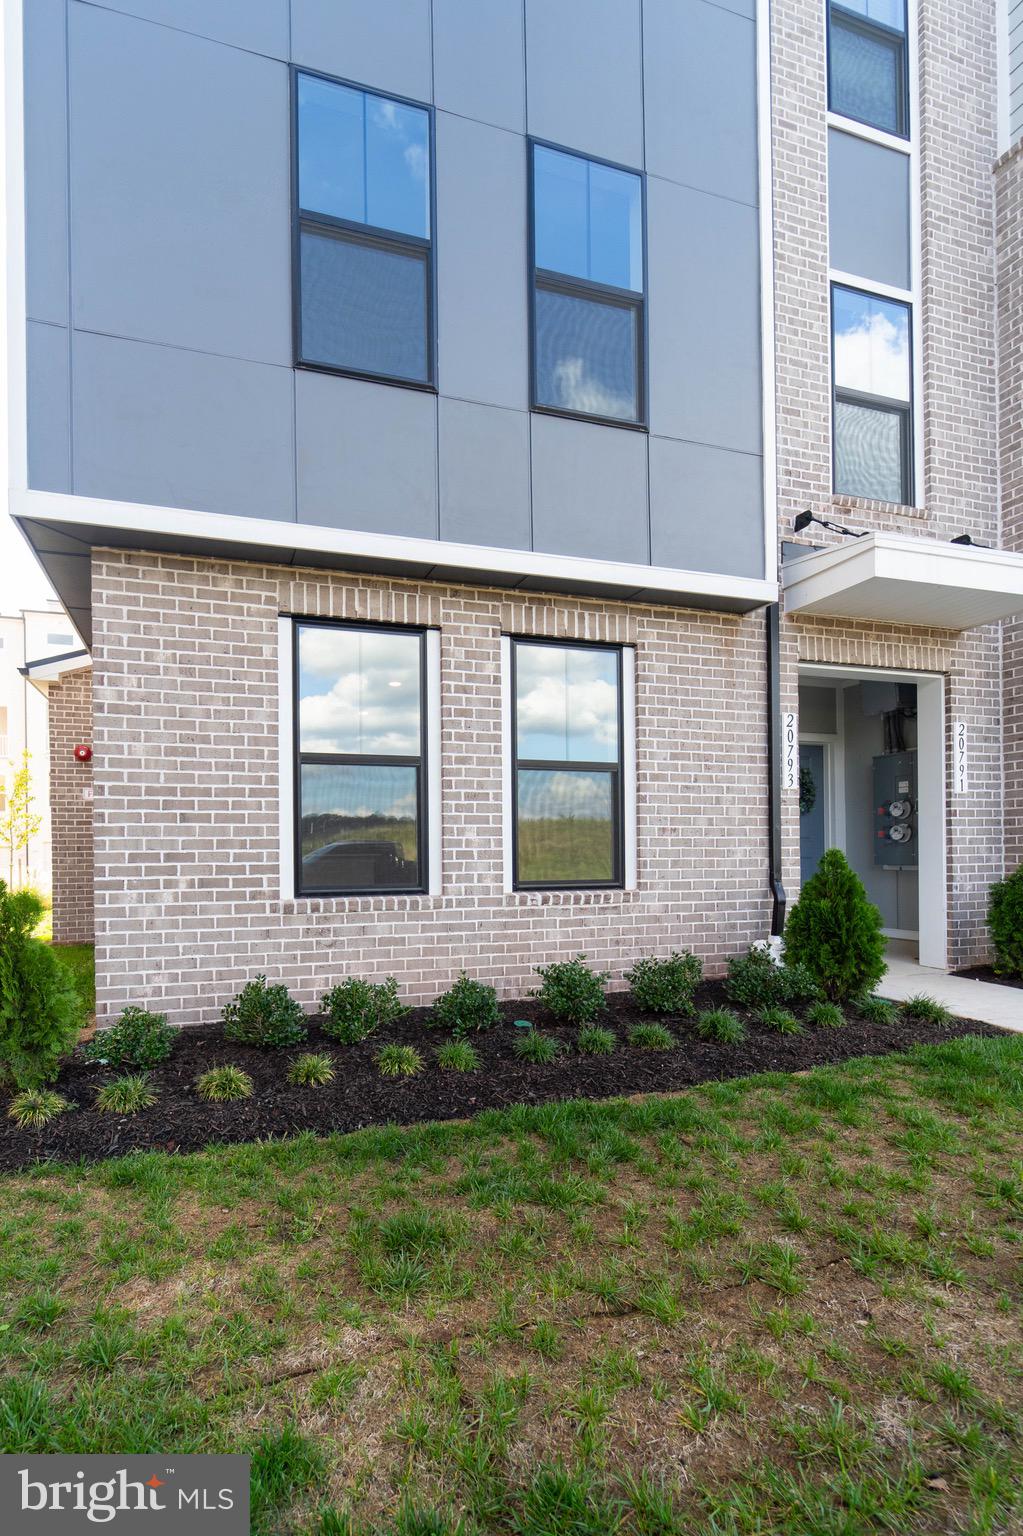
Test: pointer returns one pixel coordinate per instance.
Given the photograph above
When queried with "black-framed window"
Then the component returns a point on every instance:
(588, 287)
(872, 368)
(360, 754)
(868, 66)
(364, 281)
(567, 778)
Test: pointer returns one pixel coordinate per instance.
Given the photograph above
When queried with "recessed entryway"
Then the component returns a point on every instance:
(872, 782)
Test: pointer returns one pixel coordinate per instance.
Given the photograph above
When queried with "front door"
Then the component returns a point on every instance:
(813, 808)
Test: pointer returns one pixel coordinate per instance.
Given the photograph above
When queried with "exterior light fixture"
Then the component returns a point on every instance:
(804, 519)
(965, 538)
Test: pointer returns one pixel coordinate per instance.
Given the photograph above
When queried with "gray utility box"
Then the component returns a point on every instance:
(896, 822)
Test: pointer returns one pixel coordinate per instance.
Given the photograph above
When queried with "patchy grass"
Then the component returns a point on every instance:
(778, 1305)
(80, 961)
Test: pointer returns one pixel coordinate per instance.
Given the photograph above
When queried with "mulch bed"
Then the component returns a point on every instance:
(359, 1096)
(988, 973)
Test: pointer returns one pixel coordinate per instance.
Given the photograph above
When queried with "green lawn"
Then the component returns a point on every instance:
(80, 961)
(784, 1305)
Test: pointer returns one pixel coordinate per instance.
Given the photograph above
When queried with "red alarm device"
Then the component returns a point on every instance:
(83, 754)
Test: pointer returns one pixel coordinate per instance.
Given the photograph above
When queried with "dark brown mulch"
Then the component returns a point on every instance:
(988, 973)
(359, 1096)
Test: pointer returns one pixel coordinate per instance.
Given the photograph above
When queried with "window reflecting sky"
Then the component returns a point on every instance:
(890, 13)
(363, 157)
(588, 220)
(566, 704)
(871, 345)
(357, 790)
(586, 355)
(359, 692)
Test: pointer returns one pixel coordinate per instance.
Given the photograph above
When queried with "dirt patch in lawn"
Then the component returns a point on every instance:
(359, 1096)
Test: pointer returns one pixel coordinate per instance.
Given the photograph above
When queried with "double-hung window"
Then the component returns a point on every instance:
(867, 63)
(567, 778)
(588, 287)
(360, 759)
(872, 370)
(363, 259)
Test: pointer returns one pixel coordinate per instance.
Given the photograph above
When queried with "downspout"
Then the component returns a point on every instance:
(774, 769)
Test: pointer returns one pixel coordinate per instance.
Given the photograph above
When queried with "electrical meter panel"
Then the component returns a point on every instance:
(896, 823)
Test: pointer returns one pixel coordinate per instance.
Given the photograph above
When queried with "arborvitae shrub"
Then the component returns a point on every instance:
(1005, 920)
(40, 1010)
(835, 932)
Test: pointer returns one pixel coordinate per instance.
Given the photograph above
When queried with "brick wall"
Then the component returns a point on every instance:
(187, 840)
(70, 711)
(1009, 192)
(957, 147)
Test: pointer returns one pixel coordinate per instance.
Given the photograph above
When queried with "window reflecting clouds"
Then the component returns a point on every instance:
(363, 157)
(587, 287)
(566, 704)
(359, 826)
(872, 351)
(359, 692)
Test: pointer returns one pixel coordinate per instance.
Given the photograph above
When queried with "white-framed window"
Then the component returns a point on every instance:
(874, 246)
(569, 760)
(359, 758)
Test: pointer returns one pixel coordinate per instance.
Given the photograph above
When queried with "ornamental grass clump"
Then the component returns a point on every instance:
(457, 1056)
(571, 991)
(355, 1009)
(780, 1020)
(835, 932)
(666, 986)
(311, 1070)
(722, 1025)
(399, 1061)
(264, 1016)
(36, 1107)
(1005, 921)
(594, 1040)
(652, 1037)
(126, 1095)
(222, 1085)
(138, 1039)
(927, 1009)
(40, 1010)
(825, 1016)
(876, 1010)
(467, 1005)
(532, 1045)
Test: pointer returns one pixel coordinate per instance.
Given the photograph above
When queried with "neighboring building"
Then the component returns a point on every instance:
(25, 636)
(412, 422)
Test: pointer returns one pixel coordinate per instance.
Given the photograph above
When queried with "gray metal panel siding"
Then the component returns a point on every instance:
(484, 475)
(258, 25)
(383, 43)
(46, 236)
(701, 96)
(183, 391)
(483, 317)
(366, 455)
(584, 76)
(182, 429)
(868, 209)
(477, 60)
(590, 494)
(49, 406)
(706, 508)
(180, 189)
(705, 340)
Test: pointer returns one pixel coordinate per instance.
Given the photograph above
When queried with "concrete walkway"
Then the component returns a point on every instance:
(985, 1001)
